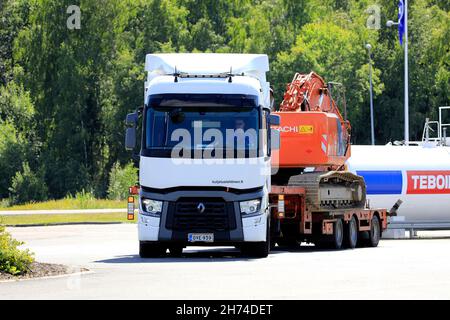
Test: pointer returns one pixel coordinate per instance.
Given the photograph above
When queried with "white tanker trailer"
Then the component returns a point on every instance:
(418, 175)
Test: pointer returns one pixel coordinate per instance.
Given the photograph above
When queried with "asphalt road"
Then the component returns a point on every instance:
(405, 269)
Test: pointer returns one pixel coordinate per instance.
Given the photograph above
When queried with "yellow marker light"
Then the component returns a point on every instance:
(281, 206)
(130, 208)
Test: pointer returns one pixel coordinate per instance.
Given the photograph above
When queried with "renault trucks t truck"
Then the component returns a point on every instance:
(218, 166)
(204, 159)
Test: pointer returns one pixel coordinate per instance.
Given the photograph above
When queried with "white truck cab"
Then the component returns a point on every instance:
(204, 158)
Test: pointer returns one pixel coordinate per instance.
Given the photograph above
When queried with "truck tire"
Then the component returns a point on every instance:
(351, 233)
(176, 251)
(288, 243)
(258, 249)
(151, 250)
(272, 245)
(338, 234)
(374, 233)
(334, 241)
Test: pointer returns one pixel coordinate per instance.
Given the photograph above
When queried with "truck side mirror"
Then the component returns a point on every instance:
(130, 134)
(131, 119)
(130, 138)
(274, 139)
(274, 119)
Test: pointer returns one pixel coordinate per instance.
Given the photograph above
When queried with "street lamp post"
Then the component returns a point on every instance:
(372, 126)
(390, 23)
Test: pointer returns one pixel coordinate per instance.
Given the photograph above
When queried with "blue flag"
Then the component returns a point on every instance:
(401, 20)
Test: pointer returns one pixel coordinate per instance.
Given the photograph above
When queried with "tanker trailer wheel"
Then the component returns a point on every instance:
(351, 233)
(151, 250)
(374, 233)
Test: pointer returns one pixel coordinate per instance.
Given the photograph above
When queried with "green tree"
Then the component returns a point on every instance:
(13, 17)
(13, 151)
(335, 52)
(28, 186)
(16, 107)
(64, 93)
(64, 69)
(120, 179)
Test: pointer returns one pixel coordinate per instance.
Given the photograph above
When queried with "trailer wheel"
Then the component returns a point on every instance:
(151, 250)
(363, 239)
(351, 233)
(374, 234)
(336, 240)
(338, 235)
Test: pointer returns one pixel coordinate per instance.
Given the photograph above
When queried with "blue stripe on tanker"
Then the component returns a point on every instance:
(382, 182)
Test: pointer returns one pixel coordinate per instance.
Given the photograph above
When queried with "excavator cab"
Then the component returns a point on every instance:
(312, 130)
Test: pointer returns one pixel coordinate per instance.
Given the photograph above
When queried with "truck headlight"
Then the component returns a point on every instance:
(152, 206)
(250, 206)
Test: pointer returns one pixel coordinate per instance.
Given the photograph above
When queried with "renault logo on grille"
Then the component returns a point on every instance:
(201, 207)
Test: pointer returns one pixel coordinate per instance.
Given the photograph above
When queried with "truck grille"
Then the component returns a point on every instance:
(215, 215)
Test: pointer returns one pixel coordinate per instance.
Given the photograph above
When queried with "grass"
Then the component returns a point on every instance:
(43, 219)
(82, 200)
(71, 203)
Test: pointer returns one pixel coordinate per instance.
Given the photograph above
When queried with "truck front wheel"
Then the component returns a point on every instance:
(151, 250)
(176, 251)
(258, 249)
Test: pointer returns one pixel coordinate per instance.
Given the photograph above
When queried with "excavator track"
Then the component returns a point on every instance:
(332, 190)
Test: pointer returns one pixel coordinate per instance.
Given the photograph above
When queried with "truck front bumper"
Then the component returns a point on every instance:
(227, 224)
(253, 229)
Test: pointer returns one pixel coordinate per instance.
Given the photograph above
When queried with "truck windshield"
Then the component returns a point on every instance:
(202, 126)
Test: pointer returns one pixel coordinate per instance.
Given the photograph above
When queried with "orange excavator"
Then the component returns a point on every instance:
(314, 199)
(313, 131)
